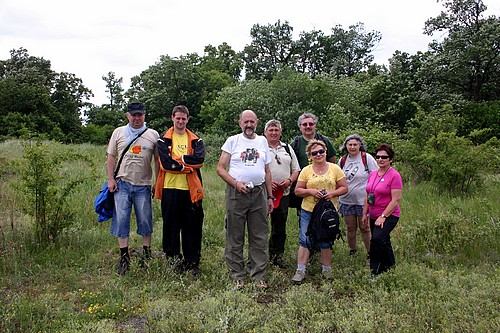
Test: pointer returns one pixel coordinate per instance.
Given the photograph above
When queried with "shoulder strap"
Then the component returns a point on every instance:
(365, 162)
(124, 151)
(342, 161)
(287, 148)
(296, 144)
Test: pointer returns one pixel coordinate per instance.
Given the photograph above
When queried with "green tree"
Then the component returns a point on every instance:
(271, 49)
(467, 60)
(115, 92)
(69, 98)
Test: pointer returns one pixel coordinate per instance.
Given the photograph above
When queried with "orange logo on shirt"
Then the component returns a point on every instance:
(136, 149)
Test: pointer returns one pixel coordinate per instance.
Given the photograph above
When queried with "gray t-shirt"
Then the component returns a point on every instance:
(357, 177)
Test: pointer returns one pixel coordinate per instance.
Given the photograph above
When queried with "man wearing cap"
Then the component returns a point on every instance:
(132, 186)
(284, 170)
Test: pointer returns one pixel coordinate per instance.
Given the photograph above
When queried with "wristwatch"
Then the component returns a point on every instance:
(383, 216)
(271, 197)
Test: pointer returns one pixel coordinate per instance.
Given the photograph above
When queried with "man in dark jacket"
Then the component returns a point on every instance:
(181, 154)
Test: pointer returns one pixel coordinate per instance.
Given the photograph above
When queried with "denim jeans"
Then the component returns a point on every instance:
(304, 240)
(126, 196)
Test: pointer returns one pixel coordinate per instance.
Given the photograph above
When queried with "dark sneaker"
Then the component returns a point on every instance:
(123, 264)
(192, 267)
(195, 271)
(176, 264)
(145, 257)
(279, 262)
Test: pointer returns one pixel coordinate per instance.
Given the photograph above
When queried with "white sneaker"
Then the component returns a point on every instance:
(299, 276)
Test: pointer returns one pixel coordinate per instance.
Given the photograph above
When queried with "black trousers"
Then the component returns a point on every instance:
(278, 228)
(182, 220)
(381, 252)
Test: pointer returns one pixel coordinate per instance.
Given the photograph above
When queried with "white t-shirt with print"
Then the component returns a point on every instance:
(248, 158)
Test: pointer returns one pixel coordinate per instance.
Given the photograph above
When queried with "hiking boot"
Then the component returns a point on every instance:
(328, 274)
(195, 271)
(123, 264)
(240, 284)
(176, 264)
(145, 257)
(261, 284)
(278, 262)
(299, 276)
(192, 267)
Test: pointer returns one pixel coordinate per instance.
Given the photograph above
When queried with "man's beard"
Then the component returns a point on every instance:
(249, 131)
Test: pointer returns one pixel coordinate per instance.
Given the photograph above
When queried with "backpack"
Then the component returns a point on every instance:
(363, 158)
(324, 226)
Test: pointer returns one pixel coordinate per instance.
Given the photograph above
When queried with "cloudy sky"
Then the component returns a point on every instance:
(93, 37)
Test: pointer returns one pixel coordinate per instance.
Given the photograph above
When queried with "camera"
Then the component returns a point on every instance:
(249, 185)
(371, 199)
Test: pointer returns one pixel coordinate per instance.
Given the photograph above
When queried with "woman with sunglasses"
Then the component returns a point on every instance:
(320, 179)
(384, 191)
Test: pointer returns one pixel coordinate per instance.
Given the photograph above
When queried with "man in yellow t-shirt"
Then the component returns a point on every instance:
(181, 154)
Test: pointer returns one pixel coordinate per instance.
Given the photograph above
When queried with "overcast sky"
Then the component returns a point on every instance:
(93, 37)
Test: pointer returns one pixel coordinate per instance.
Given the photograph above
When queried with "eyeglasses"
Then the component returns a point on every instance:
(382, 157)
(278, 159)
(321, 151)
(307, 124)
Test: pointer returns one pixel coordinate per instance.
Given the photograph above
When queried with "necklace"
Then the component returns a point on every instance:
(320, 170)
(382, 175)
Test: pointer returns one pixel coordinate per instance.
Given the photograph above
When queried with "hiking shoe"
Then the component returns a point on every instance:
(327, 275)
(193, 268)
(299, 277)
(240, 284)
(145, 257)
(123, 264)
(279, 262)
(261, 284)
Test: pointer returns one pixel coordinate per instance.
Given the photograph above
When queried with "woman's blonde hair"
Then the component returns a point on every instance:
(313, 143)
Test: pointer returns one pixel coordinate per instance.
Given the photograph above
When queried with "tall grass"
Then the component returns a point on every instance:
(446, 279)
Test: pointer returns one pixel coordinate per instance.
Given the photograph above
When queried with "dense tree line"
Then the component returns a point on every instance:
(331, 74)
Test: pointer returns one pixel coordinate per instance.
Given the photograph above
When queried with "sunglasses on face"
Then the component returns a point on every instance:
(381, 157)
(307, 124)
(321, 151)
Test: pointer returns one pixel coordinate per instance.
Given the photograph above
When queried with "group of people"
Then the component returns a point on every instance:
(262, 175)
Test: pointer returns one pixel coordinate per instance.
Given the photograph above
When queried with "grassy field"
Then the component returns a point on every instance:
(446, 279)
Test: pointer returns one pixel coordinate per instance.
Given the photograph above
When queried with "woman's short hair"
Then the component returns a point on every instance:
(313, 143)
(362, 144)
(307, 115)
(387, 148)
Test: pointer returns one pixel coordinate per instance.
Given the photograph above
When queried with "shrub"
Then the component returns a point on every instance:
(46, 187)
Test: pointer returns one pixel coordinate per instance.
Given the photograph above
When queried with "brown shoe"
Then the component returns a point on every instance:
(261, 284)
(240, 284)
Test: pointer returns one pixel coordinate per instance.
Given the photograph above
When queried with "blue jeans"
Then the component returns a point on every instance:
(304, 240)
(140, 197)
